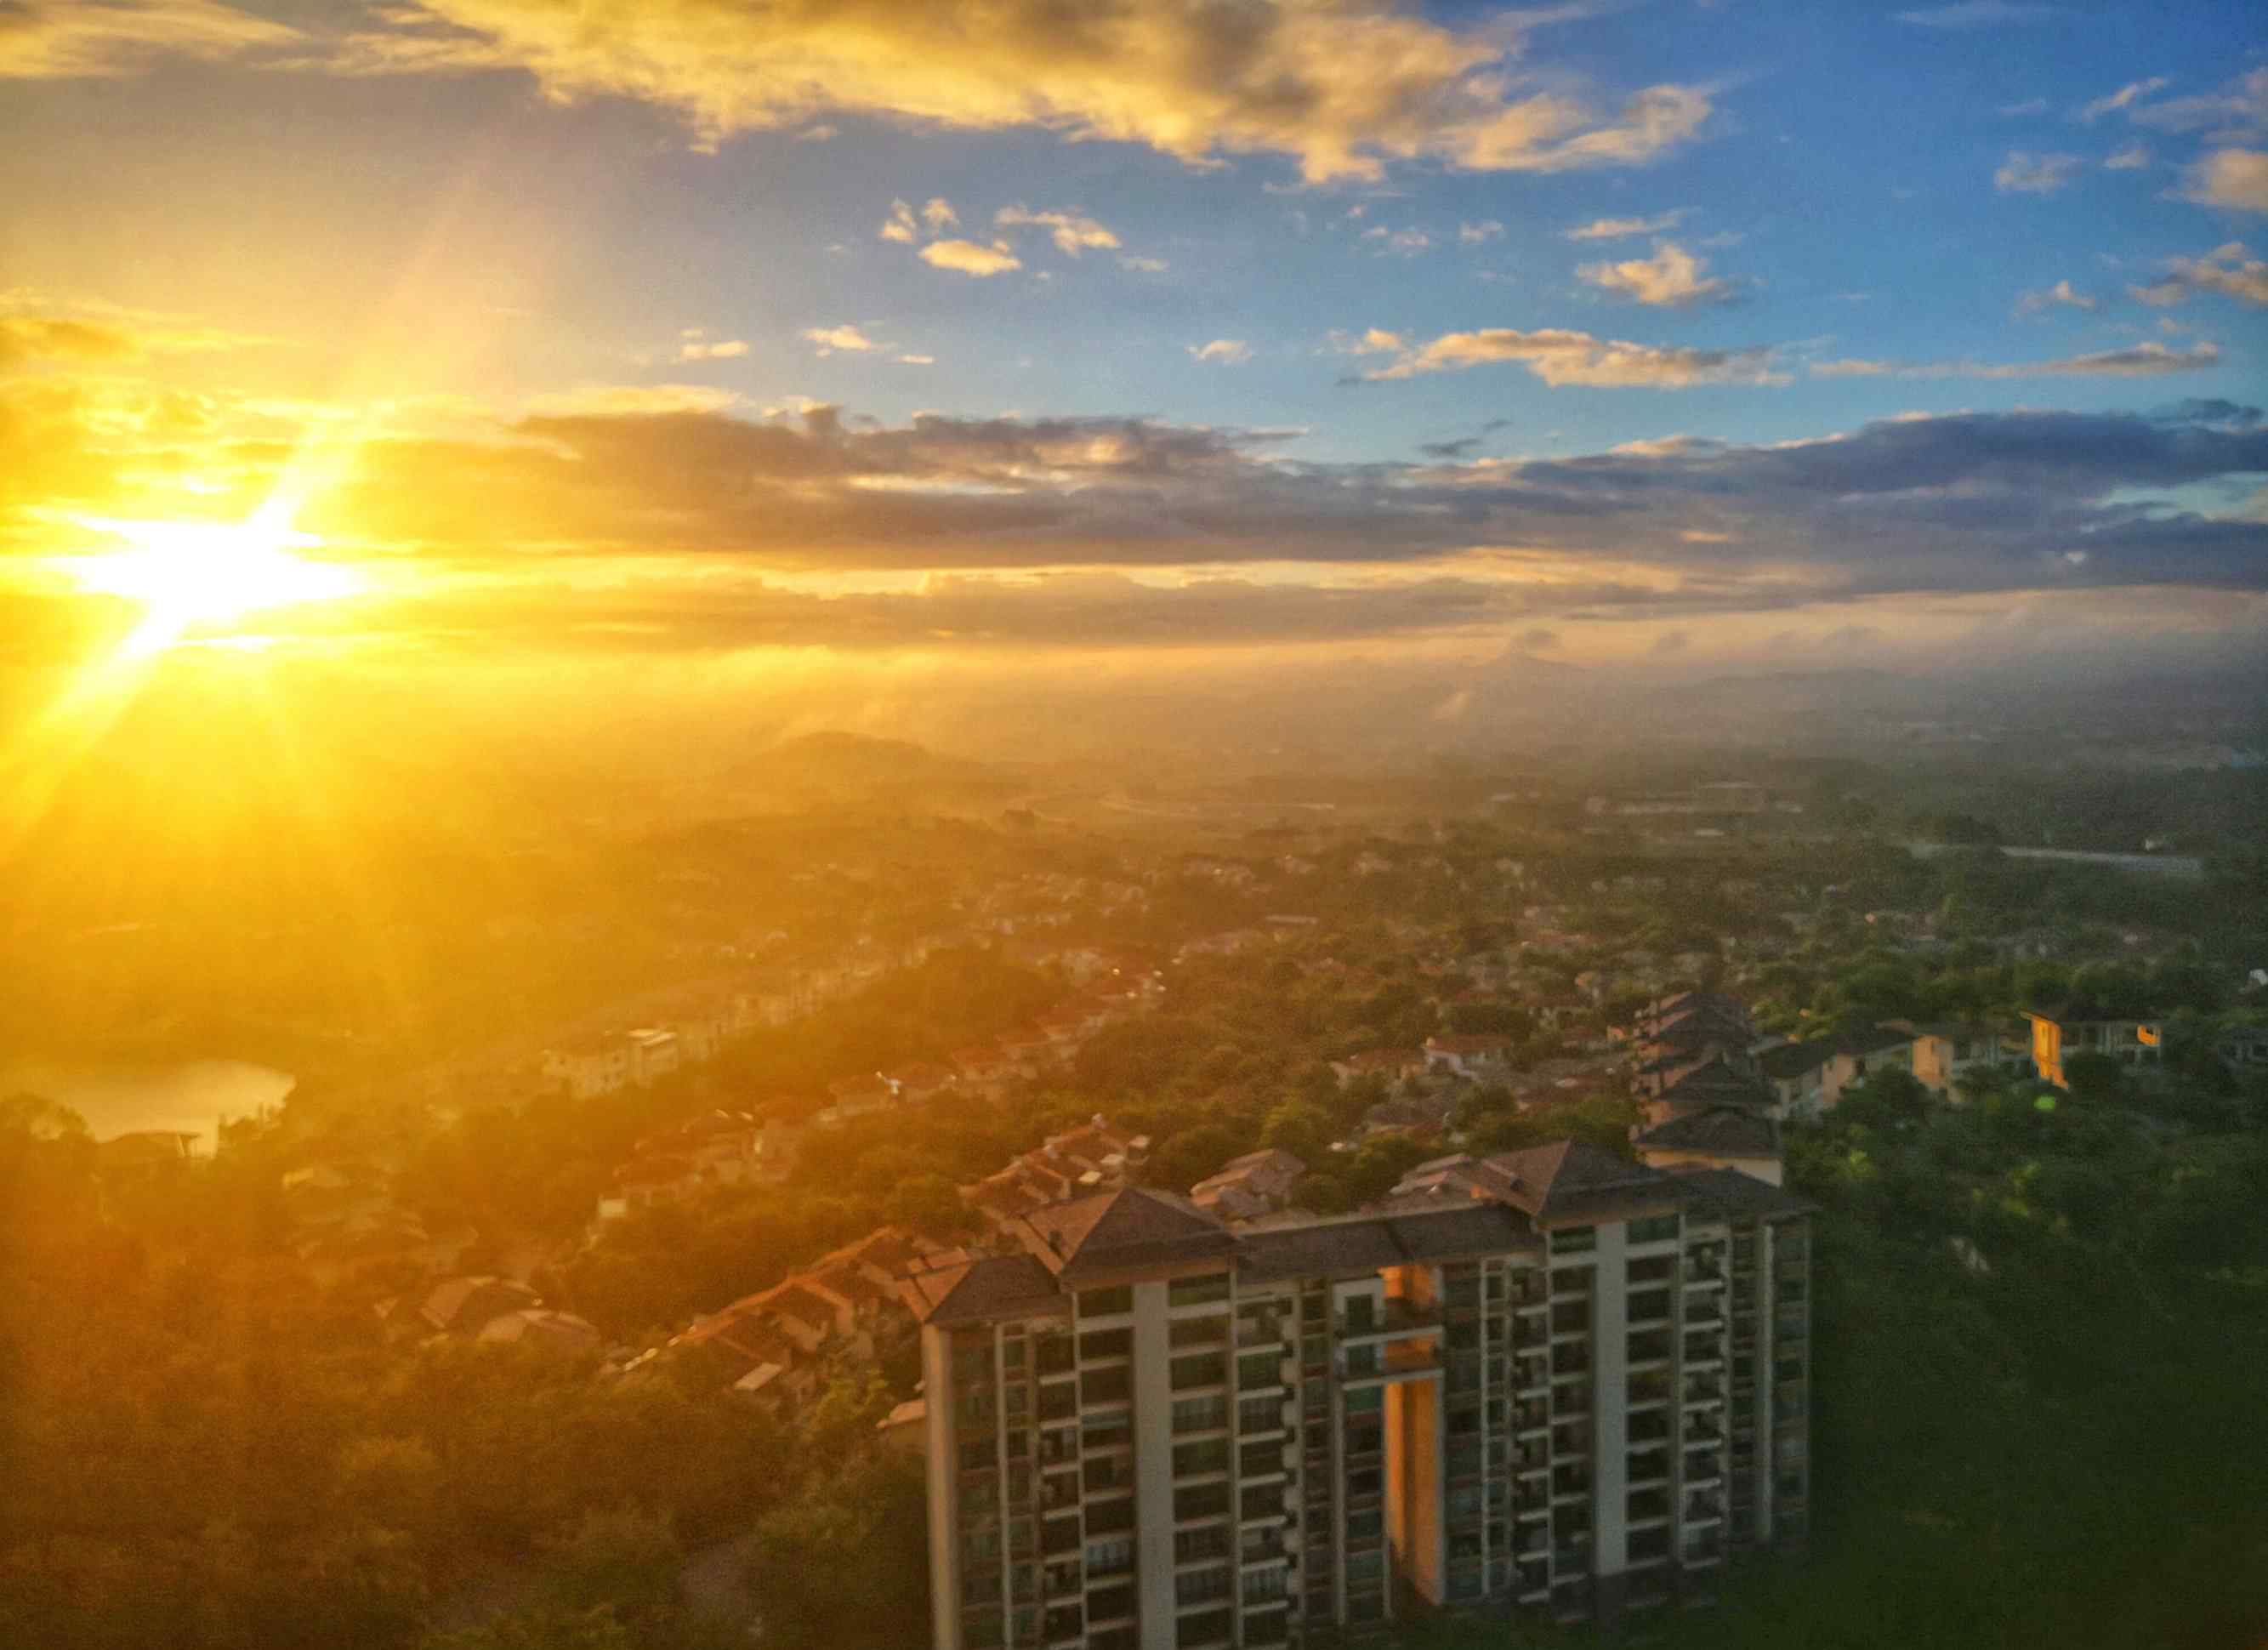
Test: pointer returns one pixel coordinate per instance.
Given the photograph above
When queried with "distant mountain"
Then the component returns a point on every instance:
(838, 767)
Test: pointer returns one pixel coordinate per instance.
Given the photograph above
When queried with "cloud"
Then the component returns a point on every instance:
(939, 215)
(2140, 360)
(632, 400)
(1977, 14)
(1398, 243)
(916, 360)
(2234, 178)
(66, 39)
(1668, 642)
(1616, 228)
(971, 259)
(846, 337)
(2134, 158)
(2229, 270)
(899, 225)
(2026, 173)
(1671, 278)
(1227, 351)
(2030, 105)
(1479, 234)
(1570, 358)
(1072, 231)
(1340, 89)
(2126, 97)
(681, 506)
(2061, 292)
(2236, 111)
(1144, 266)
(695, 345)
(101, 334)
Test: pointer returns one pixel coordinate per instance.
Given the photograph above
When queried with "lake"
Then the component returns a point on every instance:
(190, 1096)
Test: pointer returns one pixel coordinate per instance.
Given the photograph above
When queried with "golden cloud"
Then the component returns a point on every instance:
(61, 40)
(1339, 86)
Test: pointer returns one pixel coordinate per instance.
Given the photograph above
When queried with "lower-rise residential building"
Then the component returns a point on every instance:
(1552, 1381)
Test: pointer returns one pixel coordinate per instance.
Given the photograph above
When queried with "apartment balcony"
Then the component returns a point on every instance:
(1412, 1360)
(1399, 1319)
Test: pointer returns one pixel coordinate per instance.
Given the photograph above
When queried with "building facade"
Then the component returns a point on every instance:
(1555, 1380)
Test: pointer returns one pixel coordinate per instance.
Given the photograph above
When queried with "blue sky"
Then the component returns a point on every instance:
(1805, 219)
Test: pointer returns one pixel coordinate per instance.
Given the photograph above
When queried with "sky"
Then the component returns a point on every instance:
(1139, 335)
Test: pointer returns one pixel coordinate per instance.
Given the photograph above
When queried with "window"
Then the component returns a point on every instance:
(1193, 1292)
(1194, 1546)
(1105, 1386)
(1259, 1369)
(1200, 1415)
(1109, 1557)
(1105, 1344)
(1204, 1500)
(1367, 1400)
(1661, 1229)
(1201, 1369)
(1366, 1526)
(1574, 1240)
(1206, 1331)
(1012, 1353)
(1211, 1627)
(1102, 1303)
(1208, 1456)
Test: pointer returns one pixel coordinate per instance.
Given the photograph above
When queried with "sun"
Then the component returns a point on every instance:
(191, 575)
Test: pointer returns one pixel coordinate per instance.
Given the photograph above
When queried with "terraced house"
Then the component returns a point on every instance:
(1553, 1382)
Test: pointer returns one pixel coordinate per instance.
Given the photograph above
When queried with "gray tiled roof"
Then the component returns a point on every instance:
(1134, 1227)
(1727, 1192)
(1728, 1131)
(1004, 1286)
(1404, 1233)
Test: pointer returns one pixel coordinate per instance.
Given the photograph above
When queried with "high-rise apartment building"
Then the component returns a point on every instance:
(1552, 1380)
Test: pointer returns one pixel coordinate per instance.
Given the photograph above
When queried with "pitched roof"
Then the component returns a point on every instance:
(1131, 1227)
(1793, 1059)
(1872, 1039)
(1723, 1131)
(1727, 1193)
(1572, 1179)
(1008, 1285)
(1393, 1236)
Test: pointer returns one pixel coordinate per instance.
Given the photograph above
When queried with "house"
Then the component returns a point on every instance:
(859, 1096)
(925, 1080)
(1944, 1054)
(1245, 1188)
(1678, 1083)
(464, 1307)
(1484, 1058)
(1858, 1055)
(1717, 1137)
(984, 1070)
(561, 1334)
(1094, 1157)
(1395, 1065)
(719, 1148)
(1797, 1074)
(587, 1067)
(2132, 1041)
(2243, 1047)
